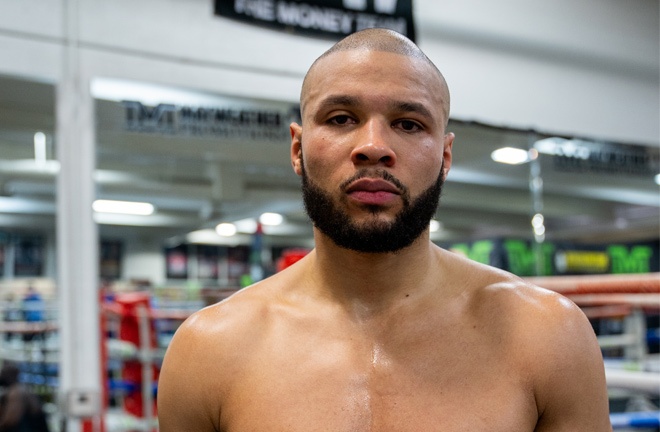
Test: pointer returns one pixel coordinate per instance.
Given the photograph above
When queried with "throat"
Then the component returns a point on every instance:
(373, 278)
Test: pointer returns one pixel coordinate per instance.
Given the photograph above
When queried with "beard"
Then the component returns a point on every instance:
(375, 236)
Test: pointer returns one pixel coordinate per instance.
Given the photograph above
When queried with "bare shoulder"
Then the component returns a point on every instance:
(228, 320)
(551, 342)
(203, 357)
(496, 294)
(544, 321)
(218, 331)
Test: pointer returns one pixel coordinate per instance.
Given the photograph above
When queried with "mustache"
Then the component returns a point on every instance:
(372, 174)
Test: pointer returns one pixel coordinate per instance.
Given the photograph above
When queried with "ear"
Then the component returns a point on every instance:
(296, 147)
(448, 142)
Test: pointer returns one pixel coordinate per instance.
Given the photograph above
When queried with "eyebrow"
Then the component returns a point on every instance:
(349, 101)
(341, 100)
(414, 107)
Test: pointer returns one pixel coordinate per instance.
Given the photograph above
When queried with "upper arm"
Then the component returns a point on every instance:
(570, 387)
(185, 398)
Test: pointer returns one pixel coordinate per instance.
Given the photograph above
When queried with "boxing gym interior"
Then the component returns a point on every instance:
(145, 174)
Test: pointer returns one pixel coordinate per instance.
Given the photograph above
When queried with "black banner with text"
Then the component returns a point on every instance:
(322, 18)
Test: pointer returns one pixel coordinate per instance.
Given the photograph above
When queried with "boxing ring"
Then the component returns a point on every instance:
(633, 420)
(629, 299)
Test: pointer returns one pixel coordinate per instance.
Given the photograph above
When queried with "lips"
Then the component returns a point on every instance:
(372, 191)
(372, 185)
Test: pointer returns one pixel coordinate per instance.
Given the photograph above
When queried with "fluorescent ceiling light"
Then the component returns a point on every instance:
(271, 219)
(657, 179)
(247, 226)
(435, 225)
(123, 207)
(209, 236)
(226, 229)
(29, 166)
(510, 155)
(40, 147)
(202, 236)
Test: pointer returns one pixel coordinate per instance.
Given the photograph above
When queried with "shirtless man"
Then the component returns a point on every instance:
(378, 329)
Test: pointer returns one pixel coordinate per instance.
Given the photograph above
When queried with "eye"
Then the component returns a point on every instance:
(341, 120)
(408, 125)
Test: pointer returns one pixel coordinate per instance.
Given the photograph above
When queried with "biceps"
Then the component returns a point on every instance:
(579, 406)
(574, 393)
(182, 399)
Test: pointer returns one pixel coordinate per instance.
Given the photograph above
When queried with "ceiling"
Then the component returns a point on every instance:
(197, 182)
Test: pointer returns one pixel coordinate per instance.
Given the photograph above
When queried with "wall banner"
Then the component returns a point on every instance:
(322, 18)
(576, 155)
(238, 119)
(560, 259)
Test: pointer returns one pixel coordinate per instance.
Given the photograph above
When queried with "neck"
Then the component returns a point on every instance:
(371, 282)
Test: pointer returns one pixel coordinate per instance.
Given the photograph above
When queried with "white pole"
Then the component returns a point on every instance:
(77, 237)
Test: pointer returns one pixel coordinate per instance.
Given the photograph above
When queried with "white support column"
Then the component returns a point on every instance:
(77, 238)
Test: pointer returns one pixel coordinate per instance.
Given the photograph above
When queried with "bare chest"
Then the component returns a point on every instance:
(332, 386)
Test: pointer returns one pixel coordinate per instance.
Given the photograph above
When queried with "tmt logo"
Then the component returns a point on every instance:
(380, 6)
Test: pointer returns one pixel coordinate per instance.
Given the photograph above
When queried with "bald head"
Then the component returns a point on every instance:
(377, 39)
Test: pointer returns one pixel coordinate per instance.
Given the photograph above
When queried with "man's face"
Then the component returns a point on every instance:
(375, 152)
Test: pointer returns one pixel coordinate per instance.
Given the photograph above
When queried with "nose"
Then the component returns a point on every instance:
(372, 145)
